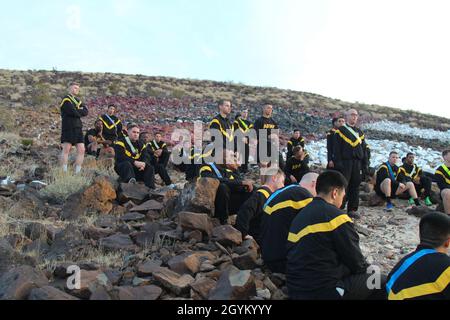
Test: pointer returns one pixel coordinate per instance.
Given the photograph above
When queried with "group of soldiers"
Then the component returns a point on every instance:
(295, 215)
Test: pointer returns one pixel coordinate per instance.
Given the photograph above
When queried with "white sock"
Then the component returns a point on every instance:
(65, 167)
(77, 169)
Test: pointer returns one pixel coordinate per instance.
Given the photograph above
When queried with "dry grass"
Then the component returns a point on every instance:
(62, 184)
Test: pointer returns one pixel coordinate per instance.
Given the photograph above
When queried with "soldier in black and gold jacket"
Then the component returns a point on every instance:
(351, 159)
(243, 126)
(232, 191)
(112, 126)
(72, 110)
(279, 211)
(324, 260)
(425, 273)
(132, 161)
(442, 177)
(249, 216)
(331, 138)
(222, 125)
(409, 171)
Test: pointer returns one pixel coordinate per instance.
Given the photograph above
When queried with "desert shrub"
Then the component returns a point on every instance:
(62, 184)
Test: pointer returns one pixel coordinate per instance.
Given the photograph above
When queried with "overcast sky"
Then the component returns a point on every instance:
(393, 53)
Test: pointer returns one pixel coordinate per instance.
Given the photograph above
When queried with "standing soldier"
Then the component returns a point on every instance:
(350, 158)
(336, 123)
(72, 110)
(241, 123)
(266, 123)
(222, 124)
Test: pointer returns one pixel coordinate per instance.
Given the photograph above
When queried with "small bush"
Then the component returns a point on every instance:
(61, 184)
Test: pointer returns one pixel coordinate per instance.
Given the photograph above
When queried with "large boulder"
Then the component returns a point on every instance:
(375, 200)
(96, 198)
(135, 192)
(234, 284)
(28, 203)
(147, 206)
(198, 196)
(17, 283)
(202, 287)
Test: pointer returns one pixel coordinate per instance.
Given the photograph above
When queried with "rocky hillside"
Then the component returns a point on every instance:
(133, 243)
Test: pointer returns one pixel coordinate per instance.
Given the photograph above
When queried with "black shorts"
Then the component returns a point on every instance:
(73, 136)
(394, 188)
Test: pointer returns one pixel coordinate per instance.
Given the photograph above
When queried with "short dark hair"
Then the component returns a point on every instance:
(111, 106)
(434, 229)
(296, 149)
(98, 120)
(329, 180)
(296, 130)
(238, 115)
(445, 152)
(221, 102)
(392, 152)
(132, 126)
(410, 154)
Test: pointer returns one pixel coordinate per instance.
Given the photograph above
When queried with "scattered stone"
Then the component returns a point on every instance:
(234, 284)
(106, 222)
(203, 287)
(147, 206)
(194, 236)
(137, 193)
(118, 241)
(419, 211)
(90, 281)
(97, 233)
(17, 283)
(68, 244)
(264, 294)
(132, 216)
(189, 262)
(195, 221)
(149, 292)
(10, 258)
(375, 200)
(173, 281)
(148, 268)
(247, 261)
(227, 235)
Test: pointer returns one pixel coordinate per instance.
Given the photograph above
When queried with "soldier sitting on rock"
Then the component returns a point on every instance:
(425, 273)
(279, 211)
(95, 143)
(324, 259)
(249, 216)
(388, 186)
(232, 191)
(442, 177)
(296, 166)
(160, 150)
(409, 171)
(132, 161)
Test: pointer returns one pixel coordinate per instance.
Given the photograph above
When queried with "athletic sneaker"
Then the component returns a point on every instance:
(411, 201)
(132, 181)
(390, 207)
(428, 202)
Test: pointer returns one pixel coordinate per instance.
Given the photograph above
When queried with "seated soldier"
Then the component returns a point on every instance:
(133, 162)
(409, 171)
(324, 260)
(160, 151)
(425, 273)
(112, 126)
(442, 177)
(388, 187)
(95, 143)
(249, 216)
(232, 191)
(296, 140)
(158, 167)
(296, 166)
(279, 211)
